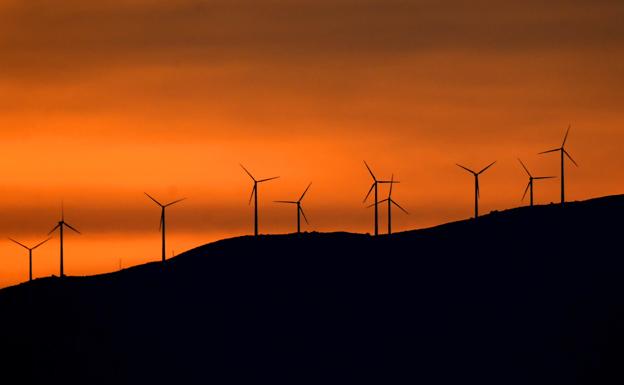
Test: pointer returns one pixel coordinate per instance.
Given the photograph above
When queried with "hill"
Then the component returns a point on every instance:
(523, 296)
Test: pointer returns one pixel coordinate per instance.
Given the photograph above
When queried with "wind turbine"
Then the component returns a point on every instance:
(564, 153)
(531, 179)
(162, 220)
(30, 250)
(476, 175)
(374, 187)
(61, 226)
(299, 208)
(254, 195)
(390, 203)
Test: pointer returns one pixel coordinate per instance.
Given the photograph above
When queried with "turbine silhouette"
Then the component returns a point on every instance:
(61, 226)
(390, 203)
(564, 153)
(476, 175)
(30, 250)
(299, 209)
(254, 195)
(374, 187)
(530, 184)
(162, 221)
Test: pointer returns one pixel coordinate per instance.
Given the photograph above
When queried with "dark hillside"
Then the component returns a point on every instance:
(524, 296)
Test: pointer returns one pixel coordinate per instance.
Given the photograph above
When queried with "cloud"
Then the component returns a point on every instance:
(303, 64)
(57, 39)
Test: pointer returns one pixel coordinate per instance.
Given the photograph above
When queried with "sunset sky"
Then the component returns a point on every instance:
(101, 101)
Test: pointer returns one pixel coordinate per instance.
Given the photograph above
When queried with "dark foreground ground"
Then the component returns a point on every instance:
(525, 296)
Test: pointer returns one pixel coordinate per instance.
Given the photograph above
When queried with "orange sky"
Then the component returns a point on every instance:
(100, 102)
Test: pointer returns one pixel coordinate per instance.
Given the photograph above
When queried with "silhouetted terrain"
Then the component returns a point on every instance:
(524, 296)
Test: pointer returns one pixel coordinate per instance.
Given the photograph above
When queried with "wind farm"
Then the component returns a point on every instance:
(373, 191)
(350, 192)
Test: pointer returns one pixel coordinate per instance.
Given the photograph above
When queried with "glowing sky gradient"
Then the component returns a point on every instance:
(100, 102)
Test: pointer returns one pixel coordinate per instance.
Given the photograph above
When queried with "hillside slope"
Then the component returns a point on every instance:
(524, 296)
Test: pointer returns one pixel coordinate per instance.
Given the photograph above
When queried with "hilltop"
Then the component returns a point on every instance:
(522, 296)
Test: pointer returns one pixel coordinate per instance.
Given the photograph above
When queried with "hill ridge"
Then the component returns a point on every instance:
(518, 296)
(419, 231)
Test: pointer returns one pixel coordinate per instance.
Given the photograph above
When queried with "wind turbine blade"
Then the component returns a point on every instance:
(54, 229)
(304, 216)
(71, 228)
(248, 173)
(152, 198)
(546, 152)
(566, 136)
(285, 202)
(524, 167)
(62, 210)
(391, 184)
(24, 246)
(253, 190)
(544, 177)
(371, 172)
(174, 202)
(466, 168)
(267, 179)
(388, 181)
(382, 201)
(369, 191)
(488, 166)
(526, 190)
(568, 155)
(399, 206)
(41, 243)
(304, 193)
